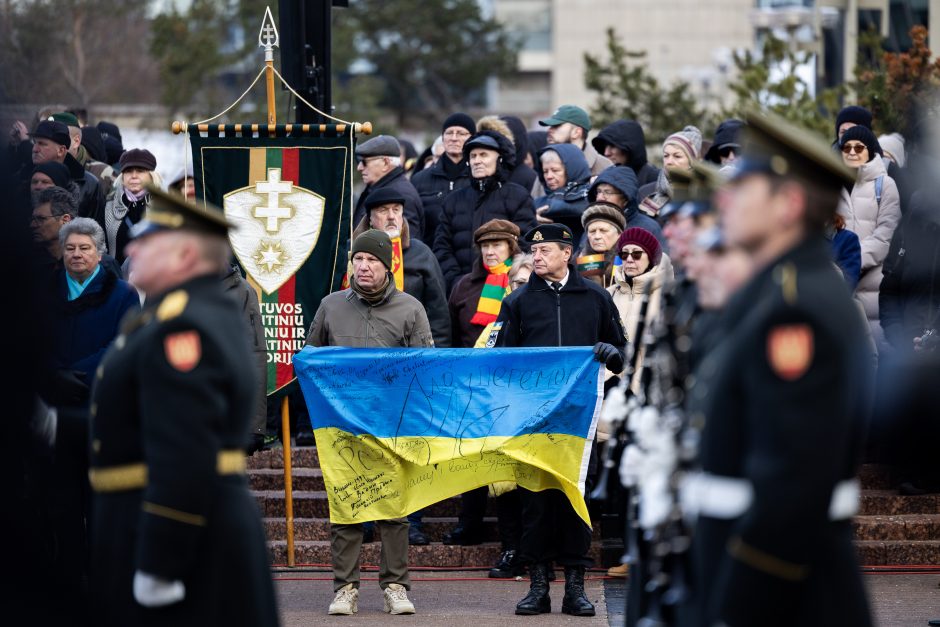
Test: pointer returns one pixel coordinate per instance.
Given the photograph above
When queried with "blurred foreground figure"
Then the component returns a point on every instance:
(176, 536)
(781, 403)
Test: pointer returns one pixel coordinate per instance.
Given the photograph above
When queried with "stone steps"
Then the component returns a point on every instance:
(890, 529)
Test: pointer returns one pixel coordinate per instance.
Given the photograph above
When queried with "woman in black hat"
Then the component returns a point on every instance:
(130, 199)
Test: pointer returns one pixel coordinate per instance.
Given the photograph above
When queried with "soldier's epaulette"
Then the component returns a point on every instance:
(172, 305)
(785, 276)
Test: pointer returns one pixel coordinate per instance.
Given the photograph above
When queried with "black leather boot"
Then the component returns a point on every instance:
(537, 601)
(575, 601)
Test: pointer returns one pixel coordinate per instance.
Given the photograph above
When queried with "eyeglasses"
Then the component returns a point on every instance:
(42, 219)
(858, 148)
(726, 151)
(607, 192)
(457, 134)
(636, 255)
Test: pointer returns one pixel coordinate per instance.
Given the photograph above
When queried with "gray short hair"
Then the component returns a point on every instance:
(84, 226)
(61, 201)
(550, 155)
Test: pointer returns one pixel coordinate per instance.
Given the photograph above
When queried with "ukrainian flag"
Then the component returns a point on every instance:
(400, 429)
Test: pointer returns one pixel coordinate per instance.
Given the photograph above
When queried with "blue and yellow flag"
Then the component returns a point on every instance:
(399, 429)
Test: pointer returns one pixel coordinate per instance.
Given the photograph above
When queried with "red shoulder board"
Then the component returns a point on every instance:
(790, 350)
(183, 350)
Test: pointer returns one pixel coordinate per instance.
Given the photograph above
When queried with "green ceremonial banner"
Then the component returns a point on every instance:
(289, 196)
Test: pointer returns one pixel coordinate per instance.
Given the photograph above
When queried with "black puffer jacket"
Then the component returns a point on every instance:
(627, 135)
(434, 184)
(465, 210)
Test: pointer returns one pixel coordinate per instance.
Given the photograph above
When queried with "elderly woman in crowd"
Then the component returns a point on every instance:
(871, 209)
(643, 272)
(130, 198)
(679, 151)
(603, 223)
(566, 176)
(474, 305)
(92, 302)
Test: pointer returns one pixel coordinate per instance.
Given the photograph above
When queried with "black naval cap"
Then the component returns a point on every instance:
(172, 212)
(55, 131)
(775, 147)
(692, 191)
(550, 233)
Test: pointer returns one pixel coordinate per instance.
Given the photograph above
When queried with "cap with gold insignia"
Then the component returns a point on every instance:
(692, 190)
(773, 146)
(172, 212)
(550, 233)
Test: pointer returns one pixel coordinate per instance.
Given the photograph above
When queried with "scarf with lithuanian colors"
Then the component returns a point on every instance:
(494, 290)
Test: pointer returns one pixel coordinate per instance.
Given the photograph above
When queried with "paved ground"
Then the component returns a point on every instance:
(468, 598)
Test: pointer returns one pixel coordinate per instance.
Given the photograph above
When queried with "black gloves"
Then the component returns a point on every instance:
(608, 355)
(67, 388)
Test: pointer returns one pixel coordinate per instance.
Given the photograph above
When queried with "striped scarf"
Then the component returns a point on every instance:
(491, 298)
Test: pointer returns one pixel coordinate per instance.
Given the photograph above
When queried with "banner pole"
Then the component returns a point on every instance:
(268, 39)
(288, 486)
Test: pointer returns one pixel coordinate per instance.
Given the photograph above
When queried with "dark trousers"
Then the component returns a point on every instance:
(552, 530)
(508, 513)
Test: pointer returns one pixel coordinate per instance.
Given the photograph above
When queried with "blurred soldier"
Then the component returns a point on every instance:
(782, 400)
(558, 307)
(176, 535)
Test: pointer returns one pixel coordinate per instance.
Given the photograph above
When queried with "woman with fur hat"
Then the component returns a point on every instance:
(603, 223)
(679, 151)
(130, 200)
(871, 209)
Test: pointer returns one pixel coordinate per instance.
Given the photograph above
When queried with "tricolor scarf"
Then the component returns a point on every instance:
(494, 290)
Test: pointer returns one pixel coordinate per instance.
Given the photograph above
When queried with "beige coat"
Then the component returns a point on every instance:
(874, 224)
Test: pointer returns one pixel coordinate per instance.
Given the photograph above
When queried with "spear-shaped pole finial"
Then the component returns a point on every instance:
(267, 39)
(267, 36)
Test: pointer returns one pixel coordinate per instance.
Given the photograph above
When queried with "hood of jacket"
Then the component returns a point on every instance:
(626, 135)
(520, 136)
(577, 169)
(619, 177)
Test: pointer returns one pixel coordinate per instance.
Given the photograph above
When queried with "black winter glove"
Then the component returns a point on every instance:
(608, 355)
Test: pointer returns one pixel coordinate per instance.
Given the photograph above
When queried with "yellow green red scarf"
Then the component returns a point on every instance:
(491, 298)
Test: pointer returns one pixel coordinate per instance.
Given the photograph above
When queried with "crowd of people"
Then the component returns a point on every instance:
(496, 221)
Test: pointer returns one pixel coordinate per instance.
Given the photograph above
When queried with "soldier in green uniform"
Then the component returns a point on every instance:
(176, 536)
(782, 397)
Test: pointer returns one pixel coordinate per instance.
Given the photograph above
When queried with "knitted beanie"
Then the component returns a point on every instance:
(376, 243)
(689, 140)
(459, 119)
(645, 240)
(854, 114)
(862, 134)
(56, 171)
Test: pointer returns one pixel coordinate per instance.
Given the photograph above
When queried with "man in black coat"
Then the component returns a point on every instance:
(558, 307)
(491, 196)
(624, 143)
(379, 164)
(448, 174)
(51, 141)
(783, 400)
(176, 536)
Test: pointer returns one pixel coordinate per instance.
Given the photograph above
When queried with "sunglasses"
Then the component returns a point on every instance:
(857, 148)
(636, 255)
(727, 150)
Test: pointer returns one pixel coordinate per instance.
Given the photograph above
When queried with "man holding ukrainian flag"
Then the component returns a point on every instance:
(558, 307)
(399, 427)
